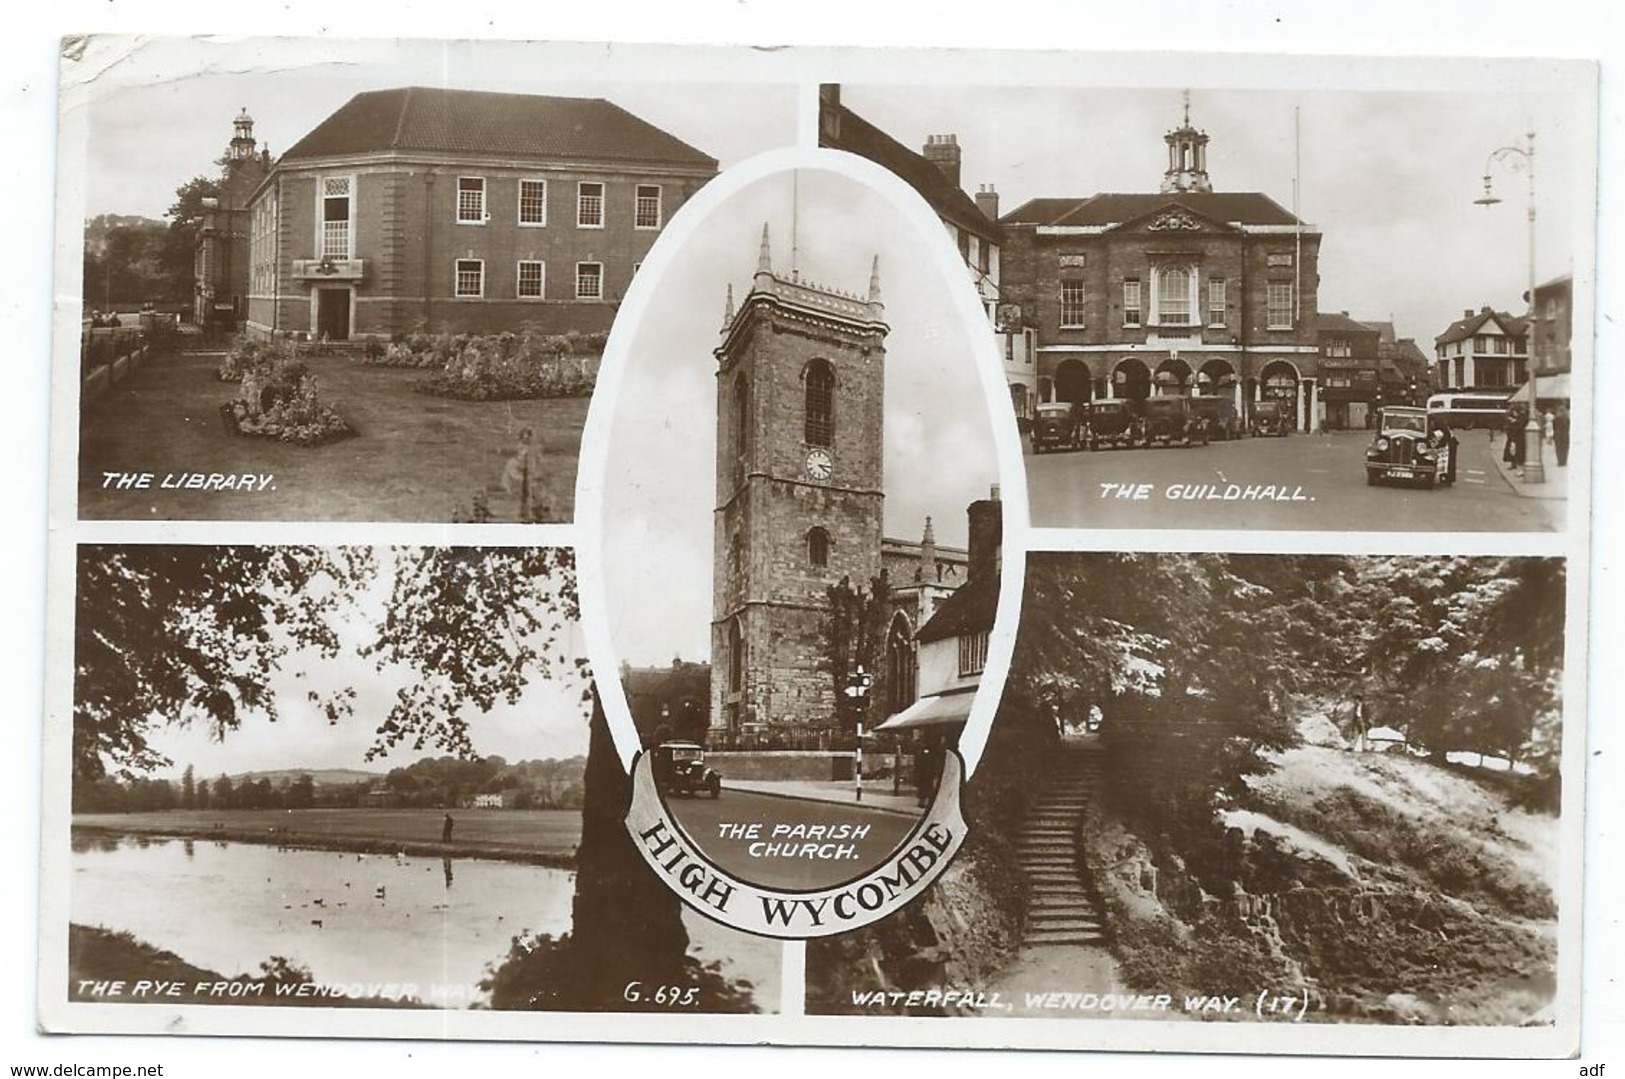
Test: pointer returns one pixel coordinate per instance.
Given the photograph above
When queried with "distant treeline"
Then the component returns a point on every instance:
(429, 783)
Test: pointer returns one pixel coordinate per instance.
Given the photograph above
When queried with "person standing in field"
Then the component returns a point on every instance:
(445, 829)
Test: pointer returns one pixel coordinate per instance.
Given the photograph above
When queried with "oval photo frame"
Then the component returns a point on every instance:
(646, 467)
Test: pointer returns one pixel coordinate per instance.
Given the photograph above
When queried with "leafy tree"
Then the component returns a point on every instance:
(188, 789)
(856, 639)
(194, 634)
(185, 634)
(186, 213)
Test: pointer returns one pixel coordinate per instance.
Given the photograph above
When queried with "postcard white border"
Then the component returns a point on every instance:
(809, 65)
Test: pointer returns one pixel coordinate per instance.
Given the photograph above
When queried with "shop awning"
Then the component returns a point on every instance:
(1555, 386)
(937, 710)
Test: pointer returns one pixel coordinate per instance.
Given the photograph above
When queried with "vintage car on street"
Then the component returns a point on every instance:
(1057, 424)
(1404, 448)
(680, 769)
(1111, 423)
(1172, 422)
(1223, 422)
(1270, 418)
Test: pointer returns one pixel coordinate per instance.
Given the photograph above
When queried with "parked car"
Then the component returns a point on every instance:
(680, 769)
(1112, 423)
(1406, 447)
(1270, 418)
(1171, 421)
(1057, 424)
(1223, 421)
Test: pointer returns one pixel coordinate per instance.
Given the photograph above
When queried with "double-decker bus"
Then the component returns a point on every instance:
(1471, 408)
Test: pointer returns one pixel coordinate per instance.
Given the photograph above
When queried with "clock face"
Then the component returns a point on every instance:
(819, 464)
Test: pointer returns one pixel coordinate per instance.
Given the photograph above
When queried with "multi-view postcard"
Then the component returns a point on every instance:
(676, 544)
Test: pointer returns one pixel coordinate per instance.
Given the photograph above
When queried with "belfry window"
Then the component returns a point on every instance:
(741, 427)
(817, 547)
(819, 422)
(736, 657)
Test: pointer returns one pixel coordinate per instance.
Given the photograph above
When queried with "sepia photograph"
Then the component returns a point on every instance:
(801, 522)
(578, 541)
(1322, 789)
(1344, 310)
(363, 777)
(365, 281)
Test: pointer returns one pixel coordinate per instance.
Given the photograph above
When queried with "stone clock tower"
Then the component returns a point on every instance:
(799, 501)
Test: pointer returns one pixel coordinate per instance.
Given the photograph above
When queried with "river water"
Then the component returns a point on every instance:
(350, 918)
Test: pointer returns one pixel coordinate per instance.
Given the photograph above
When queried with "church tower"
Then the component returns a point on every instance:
(799, 500)
(1187, 157)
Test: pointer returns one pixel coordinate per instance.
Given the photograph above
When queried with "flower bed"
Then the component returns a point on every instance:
(245, 356)
(500, 367)
(280, 399)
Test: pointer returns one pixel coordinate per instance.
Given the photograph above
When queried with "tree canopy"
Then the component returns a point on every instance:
(1196, 660)
(195, 634)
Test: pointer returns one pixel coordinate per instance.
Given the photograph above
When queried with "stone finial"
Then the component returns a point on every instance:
(929, 570)
(874, 280)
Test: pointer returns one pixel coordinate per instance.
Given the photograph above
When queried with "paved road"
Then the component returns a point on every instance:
(701, 818)
(1319, 483)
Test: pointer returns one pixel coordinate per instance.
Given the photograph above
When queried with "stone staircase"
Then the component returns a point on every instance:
(1064, 908)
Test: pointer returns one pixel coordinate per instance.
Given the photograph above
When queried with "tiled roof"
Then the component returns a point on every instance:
(1114, 208)
(1385, 331)
(858, 136)
(969, 610)
(1333, 322)
(1463, 328)
(427, 120)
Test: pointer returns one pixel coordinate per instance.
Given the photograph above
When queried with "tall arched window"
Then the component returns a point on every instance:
(817, 547)
(741, 426)
(819, 422)
(902, 668)
(736, 657)
(1174, 296)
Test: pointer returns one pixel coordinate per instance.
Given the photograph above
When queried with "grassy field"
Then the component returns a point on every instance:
(542, 836)
(415, 457)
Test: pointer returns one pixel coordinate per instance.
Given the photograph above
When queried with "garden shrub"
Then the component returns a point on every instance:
(497, 367)
(279, 398)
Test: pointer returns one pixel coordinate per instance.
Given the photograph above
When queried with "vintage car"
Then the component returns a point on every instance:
(680, 769)
(1171, 421)
(1111, 423)
(1270, 418)
(1223, 422)
(1406, 447)
(1057, 424)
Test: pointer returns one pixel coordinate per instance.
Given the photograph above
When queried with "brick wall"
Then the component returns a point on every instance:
(406, 231)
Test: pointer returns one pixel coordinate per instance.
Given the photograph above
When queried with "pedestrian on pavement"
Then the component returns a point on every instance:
(1560, 434)
(445, 829)
(1511, 427)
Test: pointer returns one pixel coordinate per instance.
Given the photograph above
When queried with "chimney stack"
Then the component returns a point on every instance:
(987, 201)
(943, 152)
(986, 518)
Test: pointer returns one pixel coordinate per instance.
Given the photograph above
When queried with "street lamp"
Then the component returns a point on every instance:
(1534, 470)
